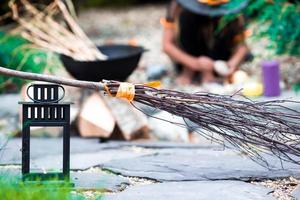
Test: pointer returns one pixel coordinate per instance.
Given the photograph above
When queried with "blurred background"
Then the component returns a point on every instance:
(272, 34)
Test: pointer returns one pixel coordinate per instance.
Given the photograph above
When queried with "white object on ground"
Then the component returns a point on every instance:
(240, 77)
(221, 68)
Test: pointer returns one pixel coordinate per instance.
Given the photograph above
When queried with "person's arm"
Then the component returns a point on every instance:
(237, 58)
(241, 49)
(173, 51)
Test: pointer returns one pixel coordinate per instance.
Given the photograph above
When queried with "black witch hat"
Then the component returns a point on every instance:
(213, 8)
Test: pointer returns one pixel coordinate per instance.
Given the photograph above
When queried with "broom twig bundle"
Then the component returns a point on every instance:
(42, 28)
(257, 128)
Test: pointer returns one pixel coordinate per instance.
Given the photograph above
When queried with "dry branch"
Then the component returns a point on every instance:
(41, 28)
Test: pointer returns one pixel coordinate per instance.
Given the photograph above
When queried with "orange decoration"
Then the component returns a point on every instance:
(127, 90)
(133, 42)
(166, 24)
(154, 84)
(241, 37)
(213, 2)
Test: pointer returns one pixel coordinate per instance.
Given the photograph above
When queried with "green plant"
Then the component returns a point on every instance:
(12, 188)
(17, 53)
(280, 22)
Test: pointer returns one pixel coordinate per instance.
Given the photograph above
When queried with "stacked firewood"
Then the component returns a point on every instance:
(101, 116)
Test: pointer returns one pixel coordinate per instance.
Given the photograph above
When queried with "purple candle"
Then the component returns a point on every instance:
(271, 78)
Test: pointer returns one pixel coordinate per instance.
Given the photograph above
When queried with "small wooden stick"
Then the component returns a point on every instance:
(35, 27)
(46, 45)
(58, 32)
(77, 30)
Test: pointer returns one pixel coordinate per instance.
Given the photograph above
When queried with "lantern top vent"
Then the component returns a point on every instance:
(45, 93)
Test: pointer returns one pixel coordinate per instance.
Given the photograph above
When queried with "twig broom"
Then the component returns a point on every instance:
(253, 127)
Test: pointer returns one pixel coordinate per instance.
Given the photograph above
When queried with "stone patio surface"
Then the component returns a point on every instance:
(161, 170)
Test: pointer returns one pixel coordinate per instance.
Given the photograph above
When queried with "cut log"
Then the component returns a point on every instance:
(132, 123)
(95, 118)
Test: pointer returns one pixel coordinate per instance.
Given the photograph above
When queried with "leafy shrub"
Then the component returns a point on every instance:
(17, 53)
(281, 19)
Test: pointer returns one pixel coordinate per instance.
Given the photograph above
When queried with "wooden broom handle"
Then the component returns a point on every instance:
(51, 79)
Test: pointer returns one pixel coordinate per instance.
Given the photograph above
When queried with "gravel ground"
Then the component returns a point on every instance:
(282, 188)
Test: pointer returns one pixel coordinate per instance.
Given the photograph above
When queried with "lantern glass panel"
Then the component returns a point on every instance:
(46, 157)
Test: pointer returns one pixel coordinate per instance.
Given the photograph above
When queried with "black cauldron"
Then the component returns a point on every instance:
(122, 61)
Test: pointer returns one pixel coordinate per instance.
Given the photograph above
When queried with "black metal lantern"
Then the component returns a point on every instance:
(45, 110)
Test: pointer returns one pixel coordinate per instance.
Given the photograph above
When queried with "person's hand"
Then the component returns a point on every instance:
(204, 63)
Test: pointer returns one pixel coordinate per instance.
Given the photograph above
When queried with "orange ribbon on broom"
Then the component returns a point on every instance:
(127, 90)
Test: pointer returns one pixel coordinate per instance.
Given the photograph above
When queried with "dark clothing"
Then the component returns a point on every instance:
(198, 36)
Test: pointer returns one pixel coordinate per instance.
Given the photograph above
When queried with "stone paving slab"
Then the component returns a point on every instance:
(85, 153)
(51, 148)
(194, 165)
(193, 190)
(84, 161)
(11, 152)
(296, 193)
(167, 145)
(159, 161)
(9, 105)
(98, 181)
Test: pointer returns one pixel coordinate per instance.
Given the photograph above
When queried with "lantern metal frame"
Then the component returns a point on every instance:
(45, 111)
